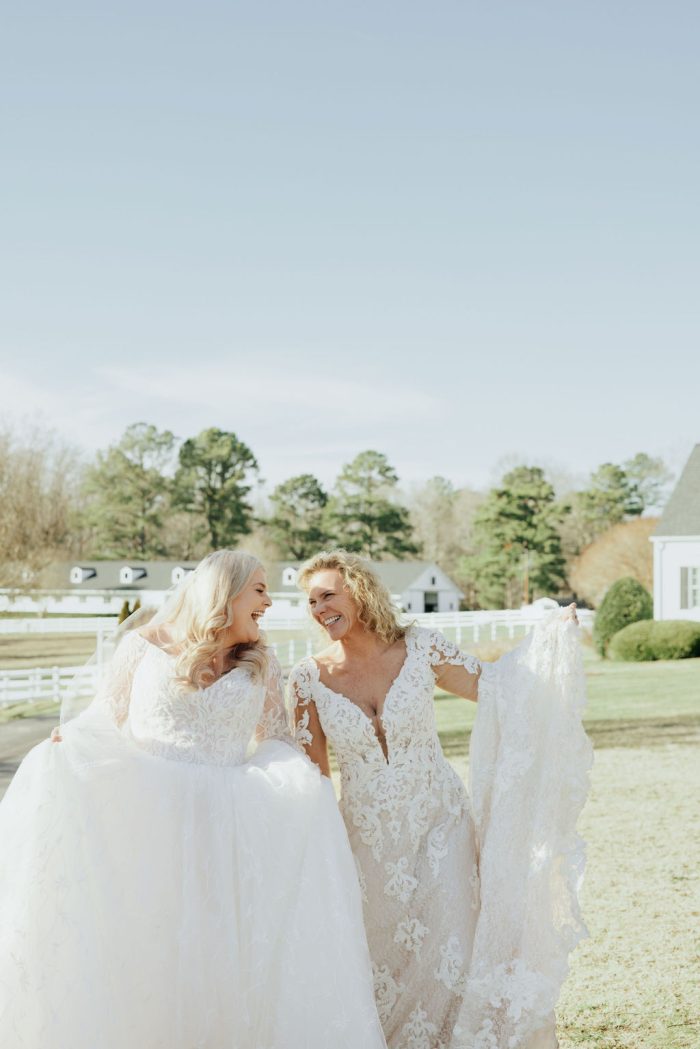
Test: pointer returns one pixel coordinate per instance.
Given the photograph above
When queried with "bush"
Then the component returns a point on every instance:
(625, 602)
(672, 639)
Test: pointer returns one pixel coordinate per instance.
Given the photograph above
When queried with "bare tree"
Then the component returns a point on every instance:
(39, 481)
(622, 551)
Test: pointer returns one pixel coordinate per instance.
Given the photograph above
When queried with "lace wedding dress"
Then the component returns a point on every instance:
(160, 888)
(470, 906)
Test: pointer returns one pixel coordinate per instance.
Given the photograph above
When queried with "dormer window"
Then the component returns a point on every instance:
(78, 574)
(289, 576)
(129, 575)
(178, 574)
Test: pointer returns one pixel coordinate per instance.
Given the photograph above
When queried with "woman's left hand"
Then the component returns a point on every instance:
(569, 614)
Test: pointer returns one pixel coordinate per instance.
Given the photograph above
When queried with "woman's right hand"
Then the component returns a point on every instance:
(56, 736)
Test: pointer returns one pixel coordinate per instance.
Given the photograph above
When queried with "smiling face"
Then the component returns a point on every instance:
(330, 603)
(248, 607)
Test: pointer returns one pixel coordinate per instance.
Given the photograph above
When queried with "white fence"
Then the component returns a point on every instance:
(42, 684)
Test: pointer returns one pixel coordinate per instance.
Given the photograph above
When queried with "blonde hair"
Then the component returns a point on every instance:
(375, 609)
(201, 609)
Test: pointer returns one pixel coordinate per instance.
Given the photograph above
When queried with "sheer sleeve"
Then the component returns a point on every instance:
(275, 720)
(309, 732)
(114, 689)
(454, 670)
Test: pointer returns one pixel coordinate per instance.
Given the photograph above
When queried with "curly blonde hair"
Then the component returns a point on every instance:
(201, 609)
(376, 610)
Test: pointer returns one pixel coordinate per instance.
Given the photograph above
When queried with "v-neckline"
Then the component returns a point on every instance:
(341, 695)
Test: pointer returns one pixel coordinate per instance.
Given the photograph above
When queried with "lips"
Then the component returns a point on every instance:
(330, 621)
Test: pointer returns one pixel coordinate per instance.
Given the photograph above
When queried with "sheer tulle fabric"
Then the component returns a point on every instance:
(159, 891)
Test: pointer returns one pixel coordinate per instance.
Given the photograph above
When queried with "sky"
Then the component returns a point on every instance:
(460, 233)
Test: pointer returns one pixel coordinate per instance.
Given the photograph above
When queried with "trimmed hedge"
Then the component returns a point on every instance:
(625, 602)
(648, 640)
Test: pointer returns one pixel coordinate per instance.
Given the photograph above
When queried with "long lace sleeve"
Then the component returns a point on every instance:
(454, 670)
(529, 765)
(309, 733)
(114, 690)
(275, 720)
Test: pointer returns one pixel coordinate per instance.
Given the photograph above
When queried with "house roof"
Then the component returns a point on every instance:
(397, 576)
(681, 515)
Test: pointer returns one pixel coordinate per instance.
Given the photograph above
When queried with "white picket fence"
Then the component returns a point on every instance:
(41, 684)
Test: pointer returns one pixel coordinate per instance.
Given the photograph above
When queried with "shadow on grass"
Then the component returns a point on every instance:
(605, 733)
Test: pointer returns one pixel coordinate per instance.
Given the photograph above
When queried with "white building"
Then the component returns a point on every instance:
(101, 587)
(677, 548)
(416, 586)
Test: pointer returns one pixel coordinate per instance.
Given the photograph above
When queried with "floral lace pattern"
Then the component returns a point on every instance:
(213, 725)
(410, 827)
(460, 961)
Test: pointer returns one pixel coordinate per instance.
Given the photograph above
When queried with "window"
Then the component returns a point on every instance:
(433, 580)
(690, 587)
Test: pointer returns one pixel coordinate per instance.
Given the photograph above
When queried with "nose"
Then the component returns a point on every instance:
(268, 601)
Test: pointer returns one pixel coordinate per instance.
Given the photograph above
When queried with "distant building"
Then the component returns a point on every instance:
(102, 587)
(677, 548)
(416, 586)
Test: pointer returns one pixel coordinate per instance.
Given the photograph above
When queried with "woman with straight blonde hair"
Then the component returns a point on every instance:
(470, 903)
(175, 874)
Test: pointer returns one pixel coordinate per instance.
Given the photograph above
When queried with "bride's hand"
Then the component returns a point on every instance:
(569, 614)
(56, 736)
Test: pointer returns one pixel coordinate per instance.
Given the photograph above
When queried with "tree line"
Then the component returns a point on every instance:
(150, 496)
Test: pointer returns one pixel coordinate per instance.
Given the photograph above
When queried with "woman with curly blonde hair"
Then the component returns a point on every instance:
(161, 885)
(470, 904)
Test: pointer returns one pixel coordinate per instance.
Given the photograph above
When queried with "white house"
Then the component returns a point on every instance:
(677, 548)
(416, 586)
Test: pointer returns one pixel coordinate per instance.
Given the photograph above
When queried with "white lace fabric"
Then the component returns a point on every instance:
(442, 886)
(213, 725)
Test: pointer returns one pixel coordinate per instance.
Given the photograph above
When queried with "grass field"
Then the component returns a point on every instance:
(635, 983)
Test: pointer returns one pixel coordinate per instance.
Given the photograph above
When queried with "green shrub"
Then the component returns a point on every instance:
(625, 602)
(672, 639)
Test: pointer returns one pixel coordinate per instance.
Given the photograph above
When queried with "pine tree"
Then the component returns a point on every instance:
(518, 546)
(127, 493)
(362, 516)
(212, 483)
(297, 523)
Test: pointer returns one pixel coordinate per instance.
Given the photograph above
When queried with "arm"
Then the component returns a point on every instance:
(459, 673)
(309, 732)
(454, 670)
(275, 722)
(114, 689)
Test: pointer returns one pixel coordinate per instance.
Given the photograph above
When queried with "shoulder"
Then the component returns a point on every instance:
(302, 678)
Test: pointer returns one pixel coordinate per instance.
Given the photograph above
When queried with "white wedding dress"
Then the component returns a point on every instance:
(160, 888)
(470, 904)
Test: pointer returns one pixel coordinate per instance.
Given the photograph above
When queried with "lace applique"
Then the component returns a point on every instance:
(418, 1032)
(410, 934)
(386, 991)
(400, 883)
(450, 971)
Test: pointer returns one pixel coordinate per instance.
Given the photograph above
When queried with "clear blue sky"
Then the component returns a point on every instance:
(452, 231)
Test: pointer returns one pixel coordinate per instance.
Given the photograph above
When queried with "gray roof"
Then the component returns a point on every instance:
(397, 576)
(158, 574)
(682, 513)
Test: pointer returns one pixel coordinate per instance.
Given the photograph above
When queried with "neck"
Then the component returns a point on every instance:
(360, 643)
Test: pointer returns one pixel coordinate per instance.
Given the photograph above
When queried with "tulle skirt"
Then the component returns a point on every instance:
(153, 904)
